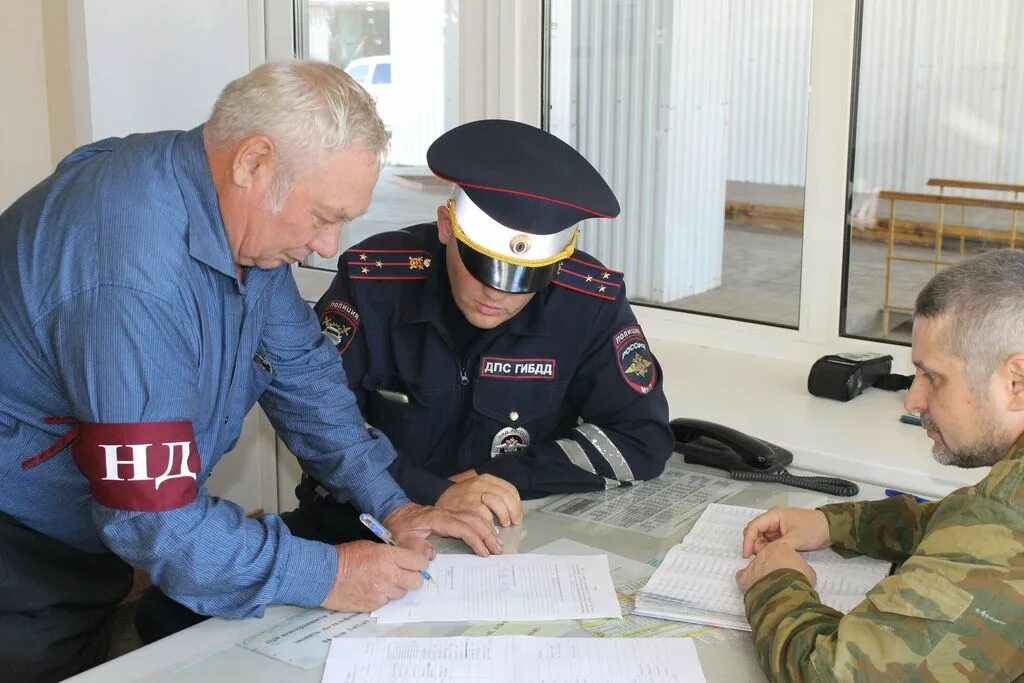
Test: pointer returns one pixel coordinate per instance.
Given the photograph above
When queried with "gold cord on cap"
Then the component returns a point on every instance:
(462, 237)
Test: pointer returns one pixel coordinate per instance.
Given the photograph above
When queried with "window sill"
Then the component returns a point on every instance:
(861, 440)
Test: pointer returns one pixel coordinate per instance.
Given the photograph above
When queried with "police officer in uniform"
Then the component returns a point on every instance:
(502, 362)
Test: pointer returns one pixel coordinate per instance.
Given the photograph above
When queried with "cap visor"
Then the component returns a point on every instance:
(503, 276)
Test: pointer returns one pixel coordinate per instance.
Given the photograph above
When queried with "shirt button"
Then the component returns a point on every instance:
(513, 416)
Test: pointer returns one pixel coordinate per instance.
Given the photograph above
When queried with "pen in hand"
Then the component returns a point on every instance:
(371, 523)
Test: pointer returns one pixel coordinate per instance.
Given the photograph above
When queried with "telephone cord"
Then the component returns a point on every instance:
(830, 485)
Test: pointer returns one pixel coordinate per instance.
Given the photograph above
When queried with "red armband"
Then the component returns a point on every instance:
(143, 467)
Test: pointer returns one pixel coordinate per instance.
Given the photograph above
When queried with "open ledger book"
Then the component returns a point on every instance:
(696, 581)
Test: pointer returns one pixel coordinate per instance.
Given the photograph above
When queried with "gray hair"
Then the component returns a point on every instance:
(310, 110)
(983, 299)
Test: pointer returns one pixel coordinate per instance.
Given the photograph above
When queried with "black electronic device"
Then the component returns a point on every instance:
(746, 457)
(844, 376)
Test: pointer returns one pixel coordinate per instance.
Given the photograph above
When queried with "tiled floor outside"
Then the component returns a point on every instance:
(761, 281)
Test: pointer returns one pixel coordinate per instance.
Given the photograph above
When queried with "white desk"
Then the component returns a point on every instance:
(210, 651)
(862, 439)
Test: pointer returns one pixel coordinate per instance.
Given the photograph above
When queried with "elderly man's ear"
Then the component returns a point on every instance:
(444, 225)
(254, 156)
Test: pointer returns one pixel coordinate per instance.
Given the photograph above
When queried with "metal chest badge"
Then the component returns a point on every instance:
(509, 440)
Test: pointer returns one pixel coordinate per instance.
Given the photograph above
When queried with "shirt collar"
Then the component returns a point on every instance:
(207, 238)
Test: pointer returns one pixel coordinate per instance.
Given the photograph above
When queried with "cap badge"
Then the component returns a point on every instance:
(520, 244)
(509, 440)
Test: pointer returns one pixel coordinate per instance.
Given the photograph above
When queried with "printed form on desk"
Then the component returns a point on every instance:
(508, 588)
(696, 581)
(498, 659)
(658, 507)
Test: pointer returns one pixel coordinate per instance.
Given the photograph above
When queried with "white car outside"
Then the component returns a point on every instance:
(374, 74)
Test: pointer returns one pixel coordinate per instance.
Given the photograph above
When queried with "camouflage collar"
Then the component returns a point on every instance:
(1016, 451)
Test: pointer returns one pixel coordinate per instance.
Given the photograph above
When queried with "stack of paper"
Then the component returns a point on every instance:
(508, 588)
(499, 659)
(696, 582)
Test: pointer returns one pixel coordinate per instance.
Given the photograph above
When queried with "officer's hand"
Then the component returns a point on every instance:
(463, 476)
(801, 529)
(483, 496)
(370, 574)
(411, 524)
(777, 555)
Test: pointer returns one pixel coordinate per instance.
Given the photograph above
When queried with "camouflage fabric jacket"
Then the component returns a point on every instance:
(953, 611)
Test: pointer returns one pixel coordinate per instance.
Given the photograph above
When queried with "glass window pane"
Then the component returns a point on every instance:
(938, 172)
(696, 114)
(420, 38)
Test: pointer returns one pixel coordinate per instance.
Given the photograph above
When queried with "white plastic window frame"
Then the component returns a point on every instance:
(500, 76)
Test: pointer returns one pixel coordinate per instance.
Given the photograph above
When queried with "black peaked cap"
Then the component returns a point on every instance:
(521, 176)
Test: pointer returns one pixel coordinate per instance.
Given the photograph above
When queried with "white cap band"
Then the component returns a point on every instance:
(506, 244)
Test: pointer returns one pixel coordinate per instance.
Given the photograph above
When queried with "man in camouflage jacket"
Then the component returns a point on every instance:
(954, 608)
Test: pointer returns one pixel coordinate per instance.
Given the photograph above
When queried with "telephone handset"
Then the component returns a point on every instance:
(715, 445)
(746, 457)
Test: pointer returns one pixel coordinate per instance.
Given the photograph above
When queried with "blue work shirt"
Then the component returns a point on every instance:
(120, 303)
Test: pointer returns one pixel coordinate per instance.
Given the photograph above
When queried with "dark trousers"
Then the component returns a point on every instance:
(318, 519)
(56, 604)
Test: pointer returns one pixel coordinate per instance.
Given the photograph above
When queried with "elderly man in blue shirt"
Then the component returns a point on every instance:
(146, 304)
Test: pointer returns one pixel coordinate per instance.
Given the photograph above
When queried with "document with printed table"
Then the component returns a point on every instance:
(508, 588)
(496, 659)
(659, 507)
(696, 581)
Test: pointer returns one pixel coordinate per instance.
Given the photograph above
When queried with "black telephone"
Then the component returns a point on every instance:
(746, 457)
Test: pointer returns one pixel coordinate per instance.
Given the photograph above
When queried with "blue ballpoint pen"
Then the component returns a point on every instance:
(894, 492)
(371, 523)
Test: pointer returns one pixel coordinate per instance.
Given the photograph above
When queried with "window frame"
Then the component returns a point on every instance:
(501, 75)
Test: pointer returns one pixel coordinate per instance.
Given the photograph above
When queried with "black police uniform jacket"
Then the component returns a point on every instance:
(566, 396)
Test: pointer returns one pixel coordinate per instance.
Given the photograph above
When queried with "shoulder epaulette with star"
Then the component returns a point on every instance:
(387, 264)
(587, 277)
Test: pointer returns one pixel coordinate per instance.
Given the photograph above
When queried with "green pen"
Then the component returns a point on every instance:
(910, 419)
